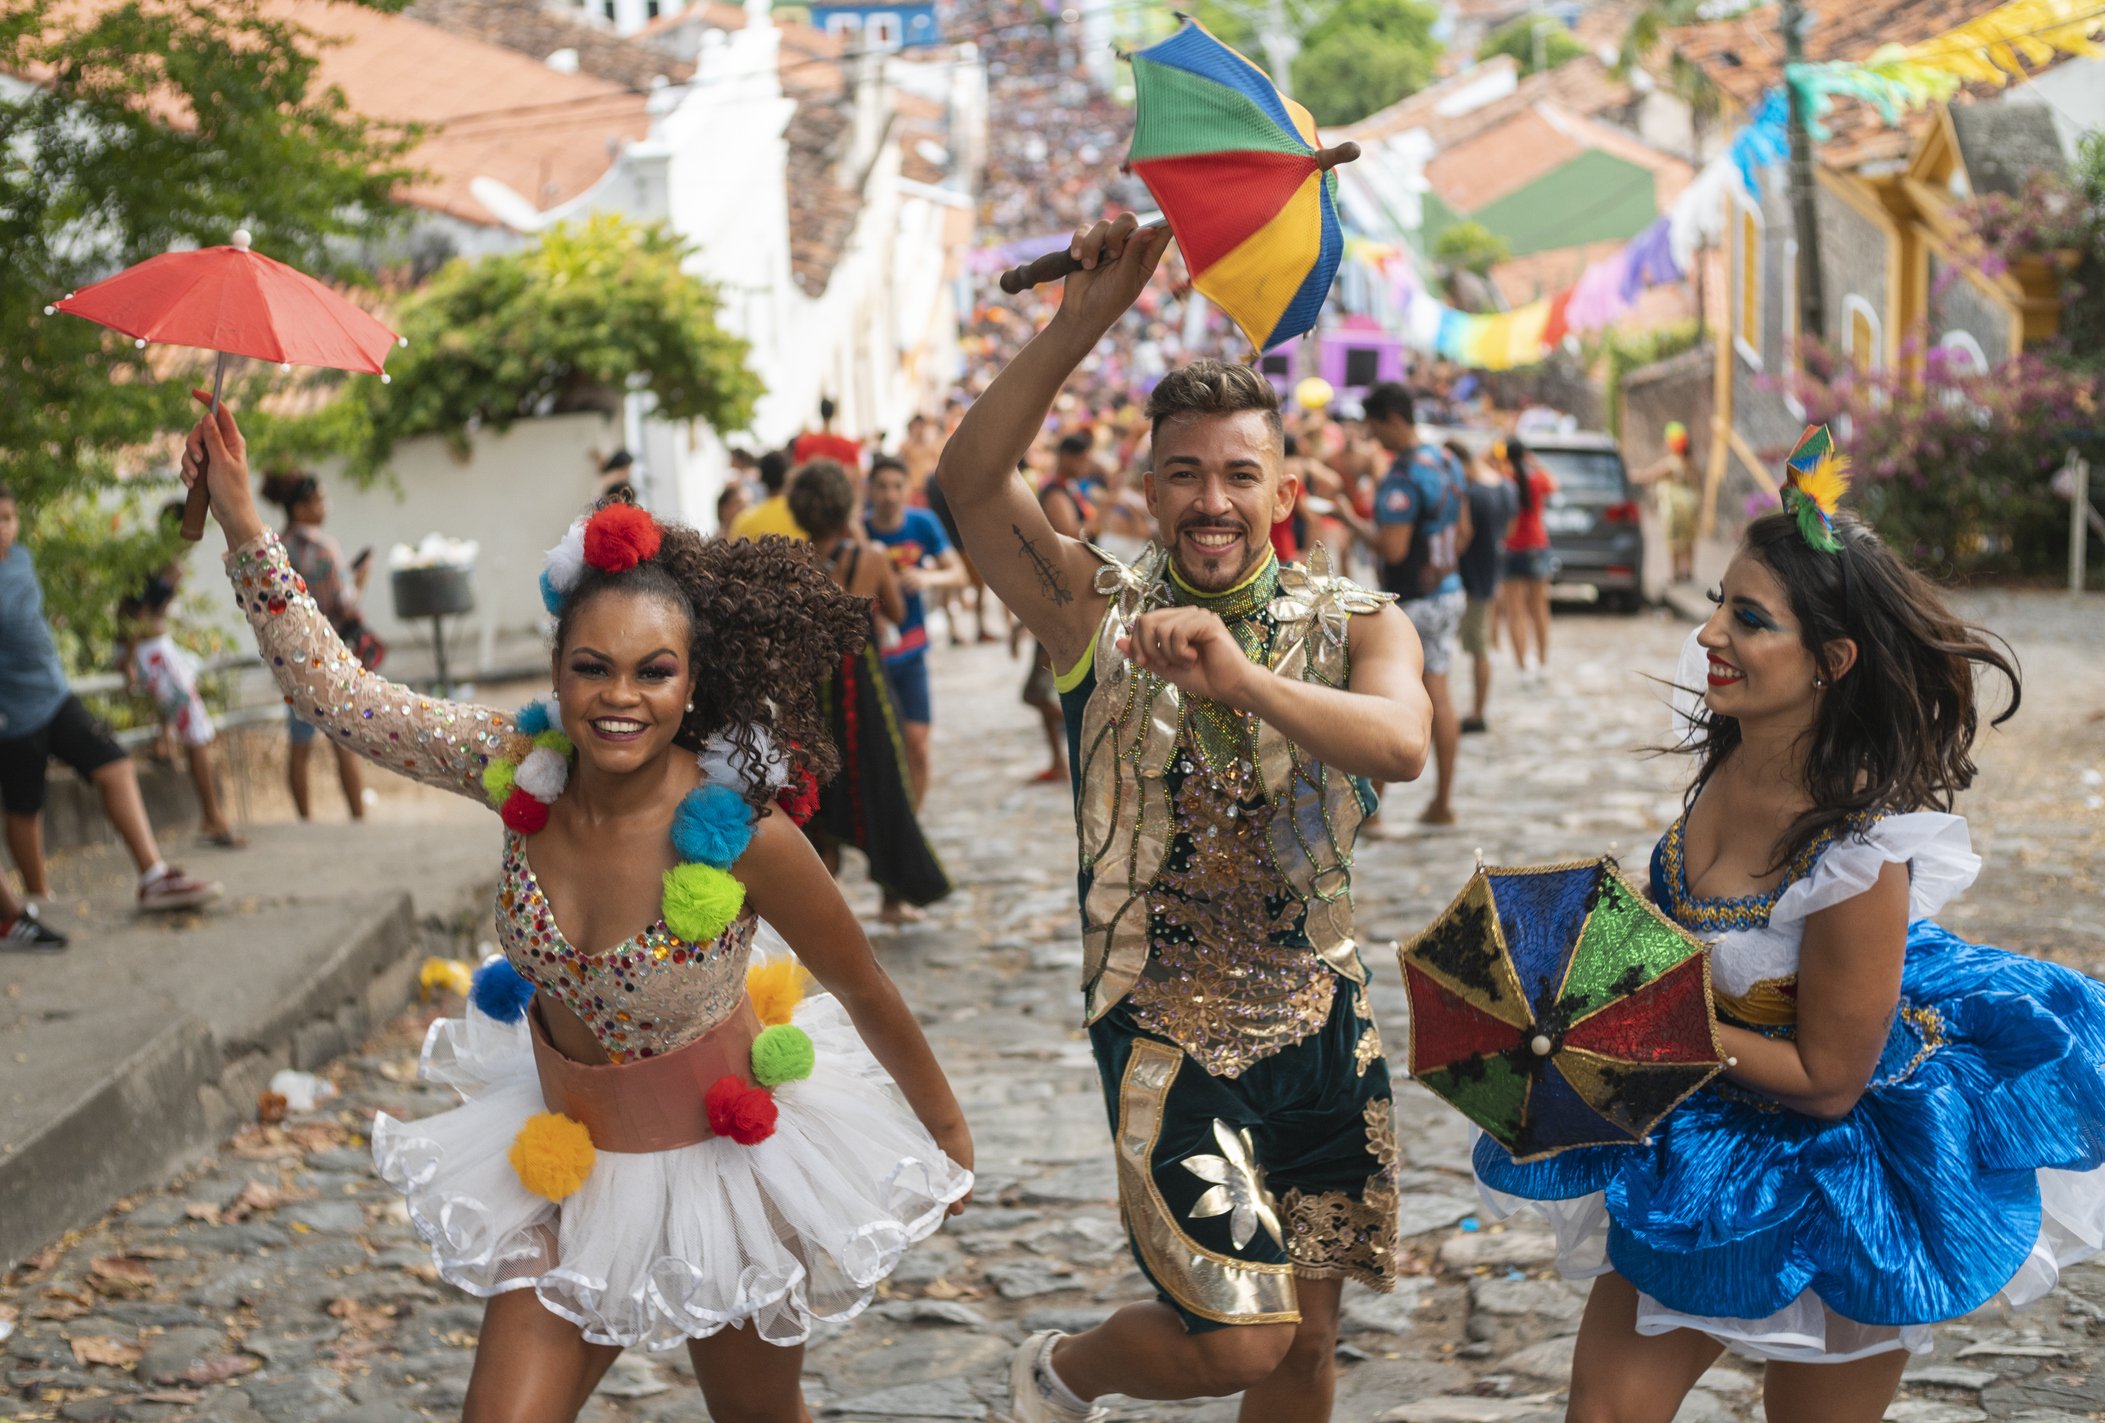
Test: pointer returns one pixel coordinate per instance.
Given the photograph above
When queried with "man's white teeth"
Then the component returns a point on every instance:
(1214, 540)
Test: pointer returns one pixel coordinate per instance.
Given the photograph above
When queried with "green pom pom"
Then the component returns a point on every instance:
(701, 901)
(782, 1054)
(497, 780)
(555, 741)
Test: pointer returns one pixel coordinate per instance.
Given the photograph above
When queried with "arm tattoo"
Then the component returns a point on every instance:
(1050, 583)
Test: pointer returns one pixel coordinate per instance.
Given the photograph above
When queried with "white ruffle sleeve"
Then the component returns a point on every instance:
(1935, 847)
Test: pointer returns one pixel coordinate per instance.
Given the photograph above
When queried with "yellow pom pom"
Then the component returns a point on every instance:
(701, 901)
(552, 1155)
(776, 987)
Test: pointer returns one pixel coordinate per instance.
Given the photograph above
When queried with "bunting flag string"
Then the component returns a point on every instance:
(2007, 42)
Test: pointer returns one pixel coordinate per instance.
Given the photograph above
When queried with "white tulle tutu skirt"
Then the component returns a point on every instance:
(662, 1247)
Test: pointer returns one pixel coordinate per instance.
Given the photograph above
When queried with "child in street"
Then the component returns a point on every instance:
(156, 665)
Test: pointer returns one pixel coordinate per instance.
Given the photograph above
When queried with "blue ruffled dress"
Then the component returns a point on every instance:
(1970, 1168)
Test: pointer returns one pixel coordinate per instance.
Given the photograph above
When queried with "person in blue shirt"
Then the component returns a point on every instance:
(923, 559)
(1421, 526)
(40, 718)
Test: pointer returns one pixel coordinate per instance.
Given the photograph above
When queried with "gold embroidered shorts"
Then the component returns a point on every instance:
(1232, 1187)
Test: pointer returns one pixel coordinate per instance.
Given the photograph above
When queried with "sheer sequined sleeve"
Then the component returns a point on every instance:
(441, 743)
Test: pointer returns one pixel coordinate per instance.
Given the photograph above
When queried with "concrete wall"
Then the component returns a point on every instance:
(1855, 257)
(1957, 304)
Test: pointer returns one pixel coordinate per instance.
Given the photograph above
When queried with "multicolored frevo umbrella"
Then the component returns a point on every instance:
(1556, 1008)
(1237, 170)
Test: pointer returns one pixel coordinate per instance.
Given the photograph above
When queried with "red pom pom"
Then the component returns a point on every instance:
(619, 537)
(753, 1117)
(744, 1113)
(523, 813)
(800, 798)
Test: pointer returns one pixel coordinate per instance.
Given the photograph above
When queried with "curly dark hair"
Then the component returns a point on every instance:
(1896, 733)
(768, 628)
(821, 497)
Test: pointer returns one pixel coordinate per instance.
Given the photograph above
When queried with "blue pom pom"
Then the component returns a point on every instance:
(532, 719)
(550, 598)
(500, 991)
(713, 826)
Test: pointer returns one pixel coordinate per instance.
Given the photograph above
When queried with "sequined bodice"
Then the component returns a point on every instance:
(647, 995)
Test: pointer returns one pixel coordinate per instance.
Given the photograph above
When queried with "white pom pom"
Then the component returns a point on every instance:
(543, 774)
(723, 763)
(566, 561)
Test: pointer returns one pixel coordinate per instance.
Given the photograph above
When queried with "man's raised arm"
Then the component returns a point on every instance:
(1044, 577)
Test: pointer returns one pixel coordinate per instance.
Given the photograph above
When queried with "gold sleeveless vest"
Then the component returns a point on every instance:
(1129, 736)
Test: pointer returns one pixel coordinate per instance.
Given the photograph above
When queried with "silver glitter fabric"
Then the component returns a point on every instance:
(650, 994)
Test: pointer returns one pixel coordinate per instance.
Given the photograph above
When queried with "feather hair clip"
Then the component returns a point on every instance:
(1816, 476)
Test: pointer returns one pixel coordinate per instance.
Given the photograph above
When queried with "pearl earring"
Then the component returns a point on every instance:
(690, 706)
(1820, 682)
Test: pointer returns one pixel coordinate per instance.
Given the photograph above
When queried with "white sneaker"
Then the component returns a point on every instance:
(1029, 1399)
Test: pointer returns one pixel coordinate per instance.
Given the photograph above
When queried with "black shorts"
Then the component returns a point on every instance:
(1232, 1188)
(73, 734)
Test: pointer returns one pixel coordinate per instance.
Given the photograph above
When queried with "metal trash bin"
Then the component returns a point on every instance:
(441, 590)
(435, 591)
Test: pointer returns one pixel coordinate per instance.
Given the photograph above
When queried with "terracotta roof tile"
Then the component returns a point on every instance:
(1743, 57)
(490, 111)
(822, 209)
(1501, 159)
(532, 29)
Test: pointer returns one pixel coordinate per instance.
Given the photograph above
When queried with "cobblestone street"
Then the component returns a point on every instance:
(283, 1283)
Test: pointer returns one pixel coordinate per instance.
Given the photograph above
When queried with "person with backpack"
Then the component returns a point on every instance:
(1421, 526)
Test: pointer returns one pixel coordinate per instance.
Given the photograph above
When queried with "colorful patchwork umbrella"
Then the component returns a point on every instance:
(1236, 168)
(1556, 1008)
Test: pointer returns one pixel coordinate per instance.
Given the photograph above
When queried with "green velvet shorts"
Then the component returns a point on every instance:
(1233, 1187)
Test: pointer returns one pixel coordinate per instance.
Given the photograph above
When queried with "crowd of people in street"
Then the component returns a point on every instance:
(1240, 613)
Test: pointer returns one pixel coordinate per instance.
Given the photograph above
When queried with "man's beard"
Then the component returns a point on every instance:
(1216, 575)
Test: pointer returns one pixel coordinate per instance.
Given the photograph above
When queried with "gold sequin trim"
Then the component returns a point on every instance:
(1330, 1235)
(1219, 984)
(1210, 1285)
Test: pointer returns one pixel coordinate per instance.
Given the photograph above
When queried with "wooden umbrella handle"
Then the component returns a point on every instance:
(1054, 266)
(198, 506)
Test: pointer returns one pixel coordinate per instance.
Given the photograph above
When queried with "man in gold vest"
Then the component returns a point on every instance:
(1224, 713)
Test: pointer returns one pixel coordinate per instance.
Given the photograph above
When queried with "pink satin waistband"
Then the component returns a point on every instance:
(647, 1103)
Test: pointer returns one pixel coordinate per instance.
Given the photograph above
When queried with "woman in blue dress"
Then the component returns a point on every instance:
(1910, 1125)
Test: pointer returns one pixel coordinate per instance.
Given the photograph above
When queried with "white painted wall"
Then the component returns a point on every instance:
(515, 495)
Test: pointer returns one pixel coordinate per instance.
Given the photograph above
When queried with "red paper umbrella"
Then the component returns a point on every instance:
(238, 303)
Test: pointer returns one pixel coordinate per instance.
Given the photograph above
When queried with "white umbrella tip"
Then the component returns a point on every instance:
(386, 379)
(401, 340)
(139, 342)
(242, 239)
(51, 311)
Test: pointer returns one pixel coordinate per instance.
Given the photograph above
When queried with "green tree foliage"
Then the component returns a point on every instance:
(2059, 219)
(1364, 55)
(1469, 246)
(1955, 467)
(157, 124)
(1519, 38)
(594, 310)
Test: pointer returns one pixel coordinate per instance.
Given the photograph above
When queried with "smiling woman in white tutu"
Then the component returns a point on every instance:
(658, 1142)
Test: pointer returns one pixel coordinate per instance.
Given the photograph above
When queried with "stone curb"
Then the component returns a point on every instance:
(173, 1097)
